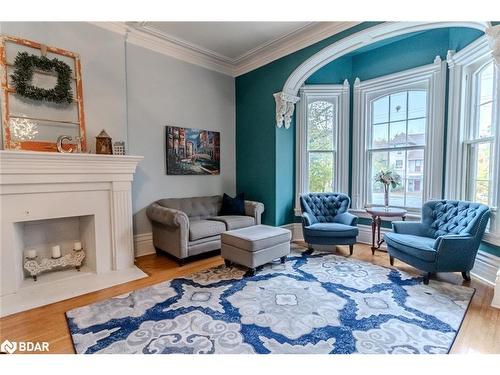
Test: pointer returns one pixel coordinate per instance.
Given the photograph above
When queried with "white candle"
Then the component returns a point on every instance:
(56, 251)
(77, 245)
(31, 253)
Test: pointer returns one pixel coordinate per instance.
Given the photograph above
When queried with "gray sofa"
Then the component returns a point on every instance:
(184, 227)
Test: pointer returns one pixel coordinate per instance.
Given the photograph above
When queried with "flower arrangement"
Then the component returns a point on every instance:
(388, 179)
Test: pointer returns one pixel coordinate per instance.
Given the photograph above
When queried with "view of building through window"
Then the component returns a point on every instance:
(320, 145)
(481, 141)
(397, 129)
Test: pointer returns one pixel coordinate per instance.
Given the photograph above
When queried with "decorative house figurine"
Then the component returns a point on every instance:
(103, 144)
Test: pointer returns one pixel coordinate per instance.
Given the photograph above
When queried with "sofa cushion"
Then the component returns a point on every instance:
(235, 221)
(256, 237)
(233, 206)
(205, 228)
(331, 230)
(196, 208)
(417, 246)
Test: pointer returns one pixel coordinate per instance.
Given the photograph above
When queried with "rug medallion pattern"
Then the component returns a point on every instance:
(319, 303)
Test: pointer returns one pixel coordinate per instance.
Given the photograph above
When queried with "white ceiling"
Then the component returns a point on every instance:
(232, 48)
(230, 41)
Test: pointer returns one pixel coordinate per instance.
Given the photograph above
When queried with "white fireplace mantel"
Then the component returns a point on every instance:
(42, 185)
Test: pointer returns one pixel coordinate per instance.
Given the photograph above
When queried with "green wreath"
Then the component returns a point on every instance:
(25, 64)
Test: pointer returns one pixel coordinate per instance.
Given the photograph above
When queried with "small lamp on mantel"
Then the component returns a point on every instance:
(103, 144)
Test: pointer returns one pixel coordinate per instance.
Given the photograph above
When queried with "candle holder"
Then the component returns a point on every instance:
(72, 259)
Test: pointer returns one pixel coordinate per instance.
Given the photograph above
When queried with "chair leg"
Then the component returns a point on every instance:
(427, 275)
(466, 275)
(391, 260)
(309, 249)
(351, 249)
(227, 263)
(181, 262)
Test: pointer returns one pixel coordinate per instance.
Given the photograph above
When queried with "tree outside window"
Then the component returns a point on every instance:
(320, 145)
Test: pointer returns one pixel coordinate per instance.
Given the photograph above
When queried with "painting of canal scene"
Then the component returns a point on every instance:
(192, 151)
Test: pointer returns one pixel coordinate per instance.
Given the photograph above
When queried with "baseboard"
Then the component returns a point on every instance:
(143, 244)
(296, 229)
(485, 268)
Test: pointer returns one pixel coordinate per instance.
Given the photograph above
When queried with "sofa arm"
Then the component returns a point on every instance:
(254, 209)
(346, 218)
(456, 252)
(167, 216)
(408, 227)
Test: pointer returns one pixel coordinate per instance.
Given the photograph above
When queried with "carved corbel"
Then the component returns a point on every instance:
(285, 105)
(493, 34)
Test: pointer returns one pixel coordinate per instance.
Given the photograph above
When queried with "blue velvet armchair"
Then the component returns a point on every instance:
(325, 220)
(445, 240)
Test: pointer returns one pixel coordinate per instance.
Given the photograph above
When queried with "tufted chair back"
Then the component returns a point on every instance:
(444, 217)
(324, 206)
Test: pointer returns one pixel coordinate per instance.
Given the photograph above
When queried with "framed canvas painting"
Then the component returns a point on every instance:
(192, 151)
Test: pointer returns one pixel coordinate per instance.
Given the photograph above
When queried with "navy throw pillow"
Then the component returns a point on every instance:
(233, 206)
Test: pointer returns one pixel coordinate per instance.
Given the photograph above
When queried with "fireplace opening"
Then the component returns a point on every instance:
(55, 245)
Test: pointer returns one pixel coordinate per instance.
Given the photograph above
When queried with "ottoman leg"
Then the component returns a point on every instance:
(227, 263)
(283, 259)
(351, 249)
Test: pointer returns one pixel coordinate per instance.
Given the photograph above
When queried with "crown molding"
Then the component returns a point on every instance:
(288, 44)
(140, 34)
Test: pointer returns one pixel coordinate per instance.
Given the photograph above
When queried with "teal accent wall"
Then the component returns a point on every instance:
(265, 155)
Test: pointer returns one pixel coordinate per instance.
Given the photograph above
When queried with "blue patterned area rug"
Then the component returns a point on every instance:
(319, 303)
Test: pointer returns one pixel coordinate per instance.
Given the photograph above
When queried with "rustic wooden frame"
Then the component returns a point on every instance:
(8, 144)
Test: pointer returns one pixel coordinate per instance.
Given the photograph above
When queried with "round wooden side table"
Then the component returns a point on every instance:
(377, 214)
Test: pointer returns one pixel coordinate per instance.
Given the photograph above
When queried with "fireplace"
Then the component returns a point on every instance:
(50, 199)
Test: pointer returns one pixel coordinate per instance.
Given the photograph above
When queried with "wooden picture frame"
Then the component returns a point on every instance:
(39, 145)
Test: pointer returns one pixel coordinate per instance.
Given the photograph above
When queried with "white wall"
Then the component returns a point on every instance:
(103, 69)
(133, 92)
(165, 91)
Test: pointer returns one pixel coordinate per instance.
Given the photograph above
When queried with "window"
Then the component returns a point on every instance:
(398, 124)
(321, 123)
(481, 140)
(323, 139)
(473, 143)
(397, 143)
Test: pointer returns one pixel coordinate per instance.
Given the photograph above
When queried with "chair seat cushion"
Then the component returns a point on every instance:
(205, 228)
(331, 230)
(235, 221)
(419, 247)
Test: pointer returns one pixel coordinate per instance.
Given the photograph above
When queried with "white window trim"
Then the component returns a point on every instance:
(430, 77)
(462, 66)
(340, 94)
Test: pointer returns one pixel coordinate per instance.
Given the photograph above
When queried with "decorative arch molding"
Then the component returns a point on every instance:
(286, 99)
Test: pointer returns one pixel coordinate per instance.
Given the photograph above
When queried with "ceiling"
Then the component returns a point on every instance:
(233, 48)
(229, 40)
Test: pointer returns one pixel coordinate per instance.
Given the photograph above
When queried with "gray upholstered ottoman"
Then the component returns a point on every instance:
(255, 246)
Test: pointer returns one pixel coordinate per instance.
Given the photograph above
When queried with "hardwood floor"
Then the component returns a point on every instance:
(480, 331)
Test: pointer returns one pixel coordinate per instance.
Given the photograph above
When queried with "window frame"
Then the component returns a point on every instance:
(339, 94)
(462, 119)
(430, 78)
(369, 150)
